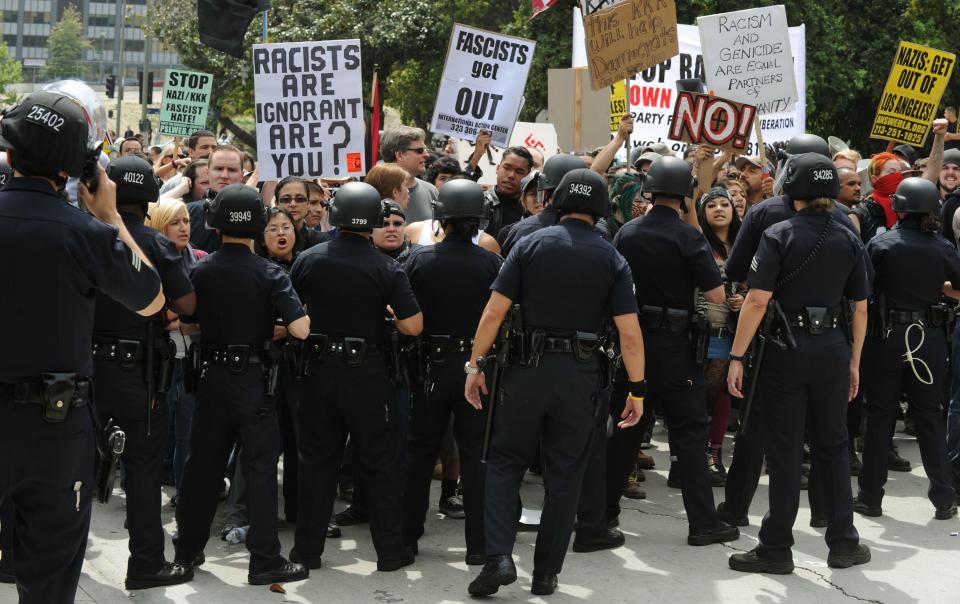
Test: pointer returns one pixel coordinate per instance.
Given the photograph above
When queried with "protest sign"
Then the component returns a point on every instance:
(309, 109)
(909, 103)
(592, 6)
(629, 37)
(186, 97)
(482, 85)
(580, 113)
(542, 137)
(721, 123)
(618, 104)
(652, 93)
(747, 57)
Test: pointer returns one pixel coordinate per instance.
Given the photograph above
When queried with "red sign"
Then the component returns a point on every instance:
(711, 120)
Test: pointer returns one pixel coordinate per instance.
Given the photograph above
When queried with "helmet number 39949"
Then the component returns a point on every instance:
(45, 117)
(241, 216)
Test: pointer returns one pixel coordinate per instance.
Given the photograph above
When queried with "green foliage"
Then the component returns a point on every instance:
(66, 45)
(10, 73)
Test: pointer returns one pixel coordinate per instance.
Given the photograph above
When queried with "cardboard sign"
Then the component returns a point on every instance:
(618, 104)
(482, 84)
(629, 37)
(542, 137)
(747, 58)
(309, 109)
(186, 97)
(909, 103)
(592, 6)
(701, 118)
(652, 93)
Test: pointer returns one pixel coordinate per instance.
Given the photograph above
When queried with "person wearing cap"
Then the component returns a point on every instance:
(567, 281)
(451, 281)
(225, 168)
(128, 399)
(46, 433)
(239, 297)
(759, 187)
(665, 296)
(949, 183)
(911, 265)
(347, 286)
(809, 264)
(503, 199)
(390, 238)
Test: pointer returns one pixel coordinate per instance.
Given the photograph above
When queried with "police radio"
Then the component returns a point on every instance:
(89, 177)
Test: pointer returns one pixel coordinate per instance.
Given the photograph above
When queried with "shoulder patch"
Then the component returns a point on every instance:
(135, 261)
(753, 264)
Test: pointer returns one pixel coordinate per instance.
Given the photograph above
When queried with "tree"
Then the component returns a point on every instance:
(65, 46)
(10, 73)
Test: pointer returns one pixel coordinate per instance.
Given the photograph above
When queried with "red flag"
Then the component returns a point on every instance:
(541, 5)
(375, 120)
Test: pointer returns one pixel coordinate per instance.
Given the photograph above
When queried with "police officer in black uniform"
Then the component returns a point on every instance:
(128, 376)
(451, 281)
(346, 285)
(911, 263)
(239, 297)
(809, 263)
(568, 281)
(46, 434)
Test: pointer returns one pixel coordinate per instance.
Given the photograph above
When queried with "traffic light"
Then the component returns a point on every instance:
(111, 86)
(149, 86)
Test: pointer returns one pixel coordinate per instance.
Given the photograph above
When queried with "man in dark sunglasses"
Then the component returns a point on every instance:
(406, 147)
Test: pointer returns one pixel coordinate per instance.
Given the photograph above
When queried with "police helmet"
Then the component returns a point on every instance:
(669, 176)
(916, 195)
(6, 172)
(49, 130)
(808, 143)
(583, 190)
(135, 180)
(555, 168)
(357, 207)
(237, 211)
(459, 198)
(811, 176)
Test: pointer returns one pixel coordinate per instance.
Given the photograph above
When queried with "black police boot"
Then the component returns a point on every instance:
(946, 512)
(171, 573)
(543, 584)
(333, 530)
(608, 539)
(721, 533)
(730, 517)
(753, 562)
(673, 477)
(895, 463)
(855, 464)
(350, 517)
(285, 572)
(310, 563)
(476, 559)
(406, 558)
(861, 555)
(497, 571)
(862, 507)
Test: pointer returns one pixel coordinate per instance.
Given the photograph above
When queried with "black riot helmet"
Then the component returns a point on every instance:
(808, 143)
(357, 207)
(459, 198)
(136, 183)
(6, 172)
(668, 176)
(811, 176)
(916, 195)
(237, 211)
(583, 190)
(555, 168)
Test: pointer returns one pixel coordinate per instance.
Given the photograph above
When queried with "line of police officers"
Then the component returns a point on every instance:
(542, 337)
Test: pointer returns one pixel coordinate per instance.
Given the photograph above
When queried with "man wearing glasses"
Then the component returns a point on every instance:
(405, 147)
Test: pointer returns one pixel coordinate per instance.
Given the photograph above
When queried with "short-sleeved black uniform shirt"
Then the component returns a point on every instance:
(567, 278)
(451, 281)
(669, 259)
(911, 266)
(346, 284)
(56, 259)
(114, 320)
(202, 237)
(239, 297)
(838, 270)
(531, 224)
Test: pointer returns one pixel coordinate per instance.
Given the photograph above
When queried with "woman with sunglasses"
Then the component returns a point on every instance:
(291, 194)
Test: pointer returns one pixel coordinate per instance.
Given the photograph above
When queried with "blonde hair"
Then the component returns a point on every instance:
(848, 154)
(162, 213)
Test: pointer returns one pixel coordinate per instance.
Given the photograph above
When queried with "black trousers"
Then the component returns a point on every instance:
(122, 396)
(807, 387)
(623, 445)
(885, 377)
(359, 401)
(40, 465)
(592, 508)
(554, 407)
(429, 417)
(231, 407)
(291, 393)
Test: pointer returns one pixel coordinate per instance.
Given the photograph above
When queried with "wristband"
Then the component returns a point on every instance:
(638, 389)
(635, 398)
(734, 357)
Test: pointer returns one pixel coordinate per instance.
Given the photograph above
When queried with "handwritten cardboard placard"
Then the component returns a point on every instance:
(704, 119)
(629, 37)
(917, 80)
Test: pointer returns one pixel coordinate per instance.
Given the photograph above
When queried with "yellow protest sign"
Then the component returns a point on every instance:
(909, 103)
(618, 104)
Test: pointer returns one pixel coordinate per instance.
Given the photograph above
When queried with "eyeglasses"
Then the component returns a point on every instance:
(291, 199)
(417, 150)
(393, 223)
(278, 229)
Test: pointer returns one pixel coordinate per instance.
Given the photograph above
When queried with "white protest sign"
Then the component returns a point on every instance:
(747, 58)
(653, 92)
(536, 136)
(482, 84)
(186, 96)
(309, 109)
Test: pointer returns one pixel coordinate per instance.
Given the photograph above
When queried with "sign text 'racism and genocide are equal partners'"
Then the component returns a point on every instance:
(309, 108)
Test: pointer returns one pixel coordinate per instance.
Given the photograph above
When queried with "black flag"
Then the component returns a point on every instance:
(224, 22)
